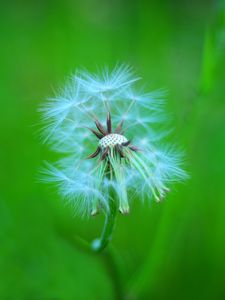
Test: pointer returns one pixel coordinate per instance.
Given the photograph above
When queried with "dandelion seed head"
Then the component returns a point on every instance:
(112, 139)
(105, 114)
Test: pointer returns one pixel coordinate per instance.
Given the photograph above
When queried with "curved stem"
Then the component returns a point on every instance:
(109, 257)
(99, 245)
(112, 267)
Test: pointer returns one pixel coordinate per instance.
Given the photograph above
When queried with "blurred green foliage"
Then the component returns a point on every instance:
(174, 250)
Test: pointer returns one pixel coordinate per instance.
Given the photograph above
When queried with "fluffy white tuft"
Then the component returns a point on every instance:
(148, 173)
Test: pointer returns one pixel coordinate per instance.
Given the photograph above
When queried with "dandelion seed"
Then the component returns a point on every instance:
(102, 113)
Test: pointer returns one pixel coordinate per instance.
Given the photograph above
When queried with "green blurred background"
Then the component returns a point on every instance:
(174, 250)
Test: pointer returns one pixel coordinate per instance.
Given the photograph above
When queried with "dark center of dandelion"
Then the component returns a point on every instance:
(109, 139)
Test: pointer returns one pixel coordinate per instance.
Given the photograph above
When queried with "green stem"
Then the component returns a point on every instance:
(99, 245)
(113, 269)
(109, 257)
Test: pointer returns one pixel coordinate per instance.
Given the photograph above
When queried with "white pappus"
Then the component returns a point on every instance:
(105, 115)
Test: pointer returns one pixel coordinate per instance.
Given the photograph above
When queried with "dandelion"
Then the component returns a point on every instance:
(111, 137)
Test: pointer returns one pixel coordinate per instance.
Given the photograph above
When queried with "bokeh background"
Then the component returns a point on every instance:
(174, 250)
